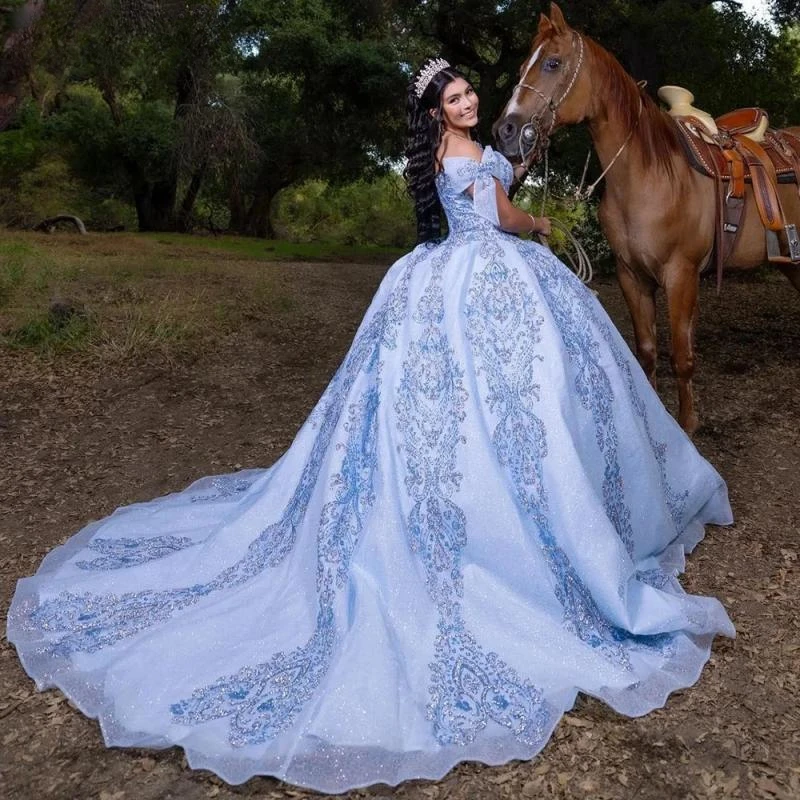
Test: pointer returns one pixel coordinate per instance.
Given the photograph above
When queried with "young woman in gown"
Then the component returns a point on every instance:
(484, 515)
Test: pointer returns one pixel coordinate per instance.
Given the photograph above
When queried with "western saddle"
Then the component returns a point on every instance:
(735, 149)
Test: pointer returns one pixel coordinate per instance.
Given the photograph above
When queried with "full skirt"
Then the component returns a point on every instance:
(484, 515)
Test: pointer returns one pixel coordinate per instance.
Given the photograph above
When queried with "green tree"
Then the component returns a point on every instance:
(157, 68)
(726, 59)
(786, 12)
(324, 94)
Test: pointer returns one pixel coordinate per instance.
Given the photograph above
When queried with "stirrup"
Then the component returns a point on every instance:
(794, 242)
(773, 247)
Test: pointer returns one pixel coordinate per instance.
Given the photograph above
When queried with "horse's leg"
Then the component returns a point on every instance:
(639, 291)
(682, 283)
(792, 272)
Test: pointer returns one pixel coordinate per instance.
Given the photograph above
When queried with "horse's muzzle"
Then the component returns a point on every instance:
(522, 142)
(506, 134)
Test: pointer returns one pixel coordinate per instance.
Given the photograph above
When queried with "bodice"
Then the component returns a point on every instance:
(458, 173)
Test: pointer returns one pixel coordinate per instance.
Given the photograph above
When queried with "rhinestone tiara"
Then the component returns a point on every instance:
(433, 66)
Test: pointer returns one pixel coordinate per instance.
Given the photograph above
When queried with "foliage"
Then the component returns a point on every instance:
(785, 12)
(578, 216)
(323, 90)
(61, 164)
(376, 212)
(181, 116)
(21, 147)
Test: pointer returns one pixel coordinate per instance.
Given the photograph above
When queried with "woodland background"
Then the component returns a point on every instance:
(285, 118)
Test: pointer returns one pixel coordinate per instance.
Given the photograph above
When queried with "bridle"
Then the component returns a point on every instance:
(531, 134)
(538, 141)
(534, 138)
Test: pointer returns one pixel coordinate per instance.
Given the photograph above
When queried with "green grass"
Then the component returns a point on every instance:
(23, 268)
(49, 336)
(160, 329)
(277, 250)
(146, 295)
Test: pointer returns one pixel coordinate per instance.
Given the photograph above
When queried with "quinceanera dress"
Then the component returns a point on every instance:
(484, 515)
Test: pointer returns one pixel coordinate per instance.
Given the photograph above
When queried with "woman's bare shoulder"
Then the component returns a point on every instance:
(456, 147)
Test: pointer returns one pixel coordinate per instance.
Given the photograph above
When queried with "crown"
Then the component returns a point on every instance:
(426, 74)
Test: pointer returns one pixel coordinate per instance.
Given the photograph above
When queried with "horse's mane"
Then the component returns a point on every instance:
(654, 132)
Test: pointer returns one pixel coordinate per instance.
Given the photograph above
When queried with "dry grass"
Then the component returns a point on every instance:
(134, 296)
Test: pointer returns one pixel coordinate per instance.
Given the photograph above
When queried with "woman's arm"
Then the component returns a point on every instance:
(511, 218)
(515, 220)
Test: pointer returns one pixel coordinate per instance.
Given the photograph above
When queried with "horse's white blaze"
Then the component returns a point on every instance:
(513, 105)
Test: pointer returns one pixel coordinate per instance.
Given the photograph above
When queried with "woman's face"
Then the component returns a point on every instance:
(459, 105)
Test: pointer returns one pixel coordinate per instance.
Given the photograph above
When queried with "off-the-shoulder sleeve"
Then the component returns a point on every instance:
(465, 172)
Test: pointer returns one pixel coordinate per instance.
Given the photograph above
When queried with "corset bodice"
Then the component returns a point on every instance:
(466, 212)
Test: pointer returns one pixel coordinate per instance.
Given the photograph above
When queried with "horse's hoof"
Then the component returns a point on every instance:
(690, 425)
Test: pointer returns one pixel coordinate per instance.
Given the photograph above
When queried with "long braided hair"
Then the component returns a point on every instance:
(424, 137)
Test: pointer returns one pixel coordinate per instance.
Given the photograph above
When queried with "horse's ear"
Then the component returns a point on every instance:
(557, 19)
(544, 24)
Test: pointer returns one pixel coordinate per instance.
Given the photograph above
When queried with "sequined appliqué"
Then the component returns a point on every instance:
(593, 388)
(223, 487)
(264, 699)
(91, 622)
(572, 293)
(343, 517)
(128, 552)
(503, 327)
(469, 687)
(430, 408)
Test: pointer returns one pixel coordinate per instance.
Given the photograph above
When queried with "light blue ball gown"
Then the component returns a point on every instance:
(484, 515)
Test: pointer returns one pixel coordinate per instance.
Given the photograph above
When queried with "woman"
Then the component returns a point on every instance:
(484, 515)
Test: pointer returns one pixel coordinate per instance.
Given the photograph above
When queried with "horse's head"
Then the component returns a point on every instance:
(553, 89)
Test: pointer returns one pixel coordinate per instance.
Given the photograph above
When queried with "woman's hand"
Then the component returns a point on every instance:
(543, 226)
(515, 220)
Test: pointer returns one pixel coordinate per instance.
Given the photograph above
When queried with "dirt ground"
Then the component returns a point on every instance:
(80, 436)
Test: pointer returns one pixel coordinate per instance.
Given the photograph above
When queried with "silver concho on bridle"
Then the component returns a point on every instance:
(533, 139)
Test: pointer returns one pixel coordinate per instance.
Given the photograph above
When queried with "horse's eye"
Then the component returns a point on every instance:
(552, 64)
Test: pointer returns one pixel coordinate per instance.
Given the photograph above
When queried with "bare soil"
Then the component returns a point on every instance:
(82, 434)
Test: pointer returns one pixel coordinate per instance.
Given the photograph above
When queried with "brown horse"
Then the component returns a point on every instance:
(657, 213)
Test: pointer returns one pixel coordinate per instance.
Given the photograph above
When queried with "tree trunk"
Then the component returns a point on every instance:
(155, 205)
(184, 221)
(256, 221)
(15, 57)
(236, 206)
(49, 225)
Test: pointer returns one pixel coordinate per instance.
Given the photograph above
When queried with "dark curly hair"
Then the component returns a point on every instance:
(424, 136)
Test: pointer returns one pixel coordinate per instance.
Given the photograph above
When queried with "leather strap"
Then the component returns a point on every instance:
(729, 219)
(765, 183)
(736, 169)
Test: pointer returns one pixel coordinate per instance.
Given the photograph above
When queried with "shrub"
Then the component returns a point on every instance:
(376, 212)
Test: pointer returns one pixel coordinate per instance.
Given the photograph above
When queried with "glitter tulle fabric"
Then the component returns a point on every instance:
(483, 516)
